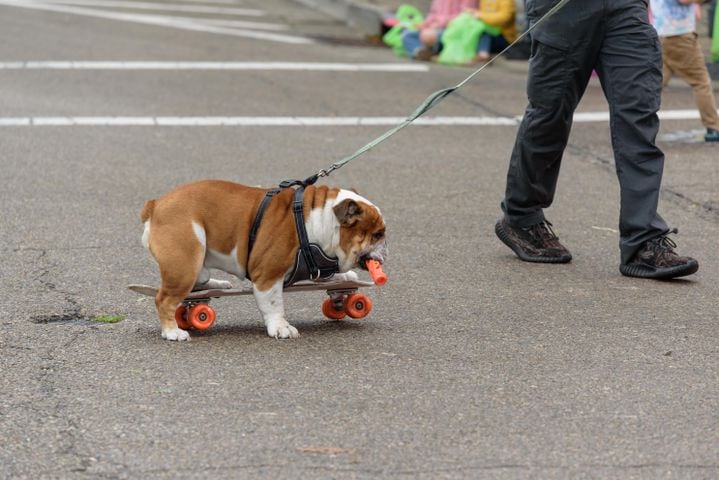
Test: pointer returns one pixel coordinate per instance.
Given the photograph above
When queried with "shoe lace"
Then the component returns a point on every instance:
(543, 231)
(663, 243)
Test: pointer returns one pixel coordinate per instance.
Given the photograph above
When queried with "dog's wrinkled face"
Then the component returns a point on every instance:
(362, 233)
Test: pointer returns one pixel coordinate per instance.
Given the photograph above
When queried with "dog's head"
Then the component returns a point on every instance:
(362, 231)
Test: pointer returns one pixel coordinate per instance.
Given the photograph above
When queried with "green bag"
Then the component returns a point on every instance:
(460, 39)
(408, 17)
(715, 37)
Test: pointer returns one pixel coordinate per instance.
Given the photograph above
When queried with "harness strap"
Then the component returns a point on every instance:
(256, 223)
(297, 208)
(311, 260)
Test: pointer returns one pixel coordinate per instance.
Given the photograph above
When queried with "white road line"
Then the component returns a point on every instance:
(158, 7)
(15, 122)
(158, 20)
(228, 23)
(679, 115)
(298, 66)
(581, 117)
(246, 121)
(587, 117)
(238, 23)
(222, 2)
(288, 121)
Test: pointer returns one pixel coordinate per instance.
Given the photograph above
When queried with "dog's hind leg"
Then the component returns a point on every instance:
(180, 257)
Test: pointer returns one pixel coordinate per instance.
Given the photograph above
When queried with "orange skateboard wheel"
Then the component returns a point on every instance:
(201, 316)
(375, 271)
(181, 318)
(329, 310)
(358, 305)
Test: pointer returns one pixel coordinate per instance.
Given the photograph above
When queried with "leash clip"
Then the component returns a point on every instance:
(302, 183)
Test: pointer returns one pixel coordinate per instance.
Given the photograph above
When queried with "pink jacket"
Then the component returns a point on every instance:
(442, 11)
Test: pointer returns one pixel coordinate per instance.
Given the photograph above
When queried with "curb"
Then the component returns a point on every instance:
(360, 16)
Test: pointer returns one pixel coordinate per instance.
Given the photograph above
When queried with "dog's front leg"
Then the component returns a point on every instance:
(272, 307)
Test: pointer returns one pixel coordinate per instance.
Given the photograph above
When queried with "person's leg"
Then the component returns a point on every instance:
(564, 50)
(426, 43)
(668, 53)
(437, 47)
(630, 71)
(688, 62)
(411, 42)
(497, 44)
(484, 46)
(430, 38)
(563, 54)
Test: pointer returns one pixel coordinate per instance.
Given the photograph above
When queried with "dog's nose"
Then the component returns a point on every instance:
(379, 252)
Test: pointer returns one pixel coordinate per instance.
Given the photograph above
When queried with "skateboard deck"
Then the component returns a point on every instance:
(305, 286)
(343, 300)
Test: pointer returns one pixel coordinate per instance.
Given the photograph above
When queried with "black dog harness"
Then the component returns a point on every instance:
(311, 263)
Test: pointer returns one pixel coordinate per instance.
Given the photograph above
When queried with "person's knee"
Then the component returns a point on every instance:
(428, 37)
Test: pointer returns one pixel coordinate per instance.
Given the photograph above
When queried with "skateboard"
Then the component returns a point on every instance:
(344, 300)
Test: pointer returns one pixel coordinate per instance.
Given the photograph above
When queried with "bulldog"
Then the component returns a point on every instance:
(257, 234)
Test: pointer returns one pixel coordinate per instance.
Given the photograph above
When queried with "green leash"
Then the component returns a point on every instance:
(433, 100)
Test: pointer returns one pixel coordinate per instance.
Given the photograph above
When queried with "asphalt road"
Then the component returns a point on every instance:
(472, 363)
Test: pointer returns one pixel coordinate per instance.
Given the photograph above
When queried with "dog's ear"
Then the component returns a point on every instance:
(348, 212)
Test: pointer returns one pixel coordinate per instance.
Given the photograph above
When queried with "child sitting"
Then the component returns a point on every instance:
(424, 42)
(501, 14)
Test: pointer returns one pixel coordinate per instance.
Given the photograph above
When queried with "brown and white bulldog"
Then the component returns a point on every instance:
(207, 224)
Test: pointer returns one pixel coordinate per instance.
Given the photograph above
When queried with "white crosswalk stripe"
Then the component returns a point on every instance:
(163, 7)
(144, 65)
(219, 26)
(298, 121)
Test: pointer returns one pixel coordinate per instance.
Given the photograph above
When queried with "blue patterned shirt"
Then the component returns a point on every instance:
(672, 18)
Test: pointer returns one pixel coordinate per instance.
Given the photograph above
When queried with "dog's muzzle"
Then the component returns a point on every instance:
(378, 252)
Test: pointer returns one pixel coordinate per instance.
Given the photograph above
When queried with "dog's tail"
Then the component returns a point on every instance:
(147, 210)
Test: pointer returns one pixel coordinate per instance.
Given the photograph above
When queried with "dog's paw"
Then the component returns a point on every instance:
(349, 276)
(218, 284)
(176, 335)
(282, 329)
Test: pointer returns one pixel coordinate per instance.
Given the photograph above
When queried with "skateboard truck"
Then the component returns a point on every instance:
(348, 302)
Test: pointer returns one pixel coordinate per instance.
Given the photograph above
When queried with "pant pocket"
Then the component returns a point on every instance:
(548, 74)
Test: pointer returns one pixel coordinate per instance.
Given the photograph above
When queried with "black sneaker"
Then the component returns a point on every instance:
(536, 243)
(657, 259)
(711, 135)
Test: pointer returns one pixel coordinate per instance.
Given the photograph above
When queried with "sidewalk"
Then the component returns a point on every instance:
(363, 15)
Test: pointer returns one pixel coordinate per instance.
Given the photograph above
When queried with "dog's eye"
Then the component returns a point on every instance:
(378, 235)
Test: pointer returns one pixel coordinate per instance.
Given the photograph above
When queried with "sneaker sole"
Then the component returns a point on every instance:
(504, 237)
(640, 271)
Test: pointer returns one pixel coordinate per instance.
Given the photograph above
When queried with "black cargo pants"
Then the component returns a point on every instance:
(615, 38)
